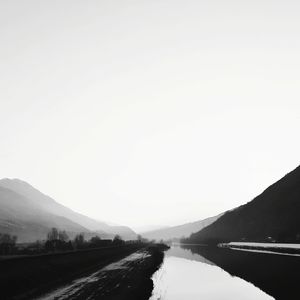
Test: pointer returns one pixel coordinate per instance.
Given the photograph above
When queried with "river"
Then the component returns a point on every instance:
(210, 273)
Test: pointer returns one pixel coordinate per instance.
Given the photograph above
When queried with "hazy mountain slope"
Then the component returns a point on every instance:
(124, 231)
(180, 231)
(49, 205)
(20, 216)
(148, 228)
(274, 213)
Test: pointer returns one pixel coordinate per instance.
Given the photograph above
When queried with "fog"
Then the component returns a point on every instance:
(149, 112)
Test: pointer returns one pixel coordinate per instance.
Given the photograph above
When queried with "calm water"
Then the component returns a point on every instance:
(198, 272)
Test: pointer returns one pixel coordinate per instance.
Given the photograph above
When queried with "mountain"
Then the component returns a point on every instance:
(273, 215)
(20, 217)
(20, 202)
(180, 231)
(148, 228)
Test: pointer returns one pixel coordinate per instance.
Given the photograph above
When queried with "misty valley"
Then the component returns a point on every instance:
(149, 150)
(48, 251)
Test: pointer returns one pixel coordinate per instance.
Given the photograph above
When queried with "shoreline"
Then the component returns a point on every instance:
(271, 248)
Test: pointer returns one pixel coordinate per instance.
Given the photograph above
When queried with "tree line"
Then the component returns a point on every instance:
(7, 243)
(56, 241)
(60, 241)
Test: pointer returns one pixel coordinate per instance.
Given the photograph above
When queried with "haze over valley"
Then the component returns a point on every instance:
(29, 214)
(149, 150)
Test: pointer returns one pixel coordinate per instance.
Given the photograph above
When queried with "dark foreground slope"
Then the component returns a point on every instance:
(273, 214)
(129, 277)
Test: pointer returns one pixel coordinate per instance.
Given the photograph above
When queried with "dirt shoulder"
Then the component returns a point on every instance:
(23, 277)
(128, 278)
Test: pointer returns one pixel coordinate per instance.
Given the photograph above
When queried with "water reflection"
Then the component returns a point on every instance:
(277, 275)
(197, 272)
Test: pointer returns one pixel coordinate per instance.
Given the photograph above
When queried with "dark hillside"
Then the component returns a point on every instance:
(273, 215)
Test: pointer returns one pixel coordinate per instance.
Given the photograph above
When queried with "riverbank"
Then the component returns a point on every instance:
(276, 248)
(23, 277)
(128, 278)
(28, 277)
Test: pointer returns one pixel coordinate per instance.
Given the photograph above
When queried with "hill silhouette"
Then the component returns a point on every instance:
(273, 215)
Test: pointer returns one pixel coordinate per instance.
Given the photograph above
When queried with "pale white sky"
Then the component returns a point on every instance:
(149, 112)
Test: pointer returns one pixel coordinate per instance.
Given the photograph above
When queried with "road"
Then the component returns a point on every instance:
(113, 281)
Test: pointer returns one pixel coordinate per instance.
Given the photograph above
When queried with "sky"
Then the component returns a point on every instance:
(154, 112)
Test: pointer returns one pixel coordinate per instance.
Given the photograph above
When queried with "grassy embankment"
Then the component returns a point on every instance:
(25, 277)
(22, 277)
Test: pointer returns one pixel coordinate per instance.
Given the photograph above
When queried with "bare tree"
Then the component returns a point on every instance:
(118, 240)
(53, 234)
(63, 236)
(7, 243)
(79, 240)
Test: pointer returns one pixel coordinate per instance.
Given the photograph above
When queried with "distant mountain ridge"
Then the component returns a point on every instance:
(26, 212)
(18, 216)
(180, 231)
(273, 215)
